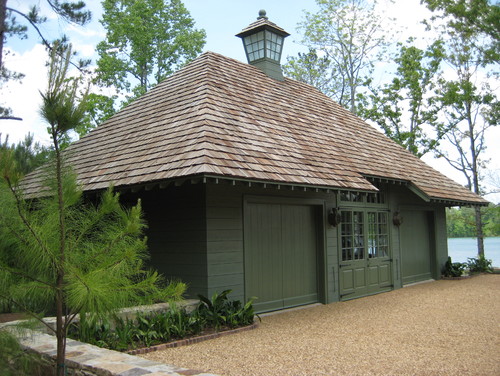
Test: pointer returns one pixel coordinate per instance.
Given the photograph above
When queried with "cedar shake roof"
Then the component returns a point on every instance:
(218, 117)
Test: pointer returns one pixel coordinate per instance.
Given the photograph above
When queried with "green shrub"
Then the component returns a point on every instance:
(150, 329)
(219, 311)
(479, 265)
(453, 269)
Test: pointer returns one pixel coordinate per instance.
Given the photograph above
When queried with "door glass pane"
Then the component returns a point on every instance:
(353, 247)
(378, 240)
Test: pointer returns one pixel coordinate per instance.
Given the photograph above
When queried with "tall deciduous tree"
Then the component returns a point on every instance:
(146, 41)
(348, 35)
(406, 108)
(313, 70)
(469, 102)
(64, 253)
(478, 17)
(15, 22)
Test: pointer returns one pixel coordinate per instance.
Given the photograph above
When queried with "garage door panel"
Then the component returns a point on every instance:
(280, 255)
(264, 238)
(299, 251)
(300, 300)
(415, 247)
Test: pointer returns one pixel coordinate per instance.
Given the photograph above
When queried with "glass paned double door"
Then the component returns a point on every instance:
(365, 260)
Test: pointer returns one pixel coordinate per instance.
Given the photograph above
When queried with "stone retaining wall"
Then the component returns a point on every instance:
(83, 359)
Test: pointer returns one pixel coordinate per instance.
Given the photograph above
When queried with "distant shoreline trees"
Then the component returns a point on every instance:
(461, 222)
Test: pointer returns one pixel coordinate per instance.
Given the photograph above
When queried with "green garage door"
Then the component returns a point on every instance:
(416, 251)
(280, 255)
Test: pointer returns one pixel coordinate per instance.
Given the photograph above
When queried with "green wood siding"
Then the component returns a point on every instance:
(332, 262)
(196, 233)
(432, 233)
(177, 233)
(225, 240)
(440, 233)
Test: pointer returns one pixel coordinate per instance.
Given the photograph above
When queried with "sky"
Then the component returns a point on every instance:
(222, 20)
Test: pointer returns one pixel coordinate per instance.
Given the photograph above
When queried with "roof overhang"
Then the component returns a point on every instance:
(421, 194)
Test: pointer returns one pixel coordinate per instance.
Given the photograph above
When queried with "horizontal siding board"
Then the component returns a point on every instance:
(225, 280)
(225, 235)
(224, 246)
(178, 247)
(221, 212)
(225, 269)
(224, 224)
(225, 258)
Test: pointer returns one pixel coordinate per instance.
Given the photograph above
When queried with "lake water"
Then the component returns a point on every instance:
(461, 248)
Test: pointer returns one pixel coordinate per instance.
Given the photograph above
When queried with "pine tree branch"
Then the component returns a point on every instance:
(28, 225)
(10, 118)
(45, 42)
(27, 311)
(24, 275)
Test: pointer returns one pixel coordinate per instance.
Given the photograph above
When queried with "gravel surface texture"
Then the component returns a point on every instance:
(436, 328)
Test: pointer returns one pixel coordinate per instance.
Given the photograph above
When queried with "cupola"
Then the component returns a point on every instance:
(263, 42)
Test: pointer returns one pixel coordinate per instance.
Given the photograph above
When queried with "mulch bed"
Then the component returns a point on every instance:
(191, 340)
(6, 317)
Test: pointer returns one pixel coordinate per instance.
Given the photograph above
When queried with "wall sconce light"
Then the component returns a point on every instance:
(334, 217)
(397, 219)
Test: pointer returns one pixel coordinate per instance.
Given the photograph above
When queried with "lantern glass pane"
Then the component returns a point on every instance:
(274, 45)
(254, 45)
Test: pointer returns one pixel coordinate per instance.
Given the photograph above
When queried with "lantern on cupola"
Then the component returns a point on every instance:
(263, 42)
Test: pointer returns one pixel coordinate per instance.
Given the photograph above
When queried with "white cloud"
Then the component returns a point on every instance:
(85, 50)
(86, 32)
(24, 97)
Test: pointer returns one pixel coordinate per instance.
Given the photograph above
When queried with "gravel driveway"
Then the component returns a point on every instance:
(435, 328)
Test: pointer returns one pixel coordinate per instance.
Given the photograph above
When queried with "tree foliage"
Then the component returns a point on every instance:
(345, 40)
(406, 108)
(461, 222)
(469, 104)
(15, 23)
(61, 253)
(472, 17)
(146, 41)
(27, 154)
(311, 69)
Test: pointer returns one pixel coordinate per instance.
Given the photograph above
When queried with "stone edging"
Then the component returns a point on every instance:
(189, 341)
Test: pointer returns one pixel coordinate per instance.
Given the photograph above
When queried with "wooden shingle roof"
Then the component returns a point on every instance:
(220, 117)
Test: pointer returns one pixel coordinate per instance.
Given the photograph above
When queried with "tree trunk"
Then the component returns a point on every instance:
(3, 6)
(60, 328)
(475, 184)
(479, 231)
(60, 322)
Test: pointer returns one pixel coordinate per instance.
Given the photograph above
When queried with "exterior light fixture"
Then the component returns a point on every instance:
(397, 219)
(334, 217)
(263, 43)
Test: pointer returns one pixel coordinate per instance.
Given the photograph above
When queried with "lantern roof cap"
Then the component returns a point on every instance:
(262, 23)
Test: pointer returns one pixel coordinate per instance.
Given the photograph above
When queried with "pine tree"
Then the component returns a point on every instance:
(62, 253)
